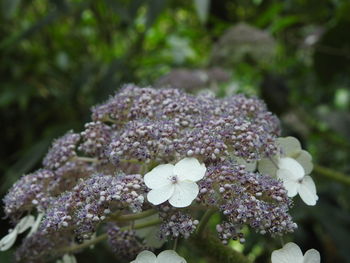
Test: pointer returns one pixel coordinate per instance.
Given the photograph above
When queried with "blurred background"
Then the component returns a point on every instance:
(60, 57)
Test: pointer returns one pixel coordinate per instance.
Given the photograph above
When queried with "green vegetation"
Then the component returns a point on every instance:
(60, 57)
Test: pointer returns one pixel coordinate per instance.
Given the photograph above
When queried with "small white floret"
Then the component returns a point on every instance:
(175, 183)
(167, 256)
(291, 253)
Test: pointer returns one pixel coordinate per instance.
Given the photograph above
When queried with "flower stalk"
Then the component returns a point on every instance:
(104, 236)
(332, 174)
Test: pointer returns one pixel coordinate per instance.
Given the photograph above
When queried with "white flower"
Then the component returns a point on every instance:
(36, 224)
(7, 241)
(292, 166)
(67, 258)
(291, 253)
(167, 256)
(175, 183)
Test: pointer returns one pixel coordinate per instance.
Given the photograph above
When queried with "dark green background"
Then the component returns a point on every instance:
(58, 58)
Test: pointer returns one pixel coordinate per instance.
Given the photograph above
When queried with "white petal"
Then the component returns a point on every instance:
(289, 182)
(292, 166)
(312, 256)
(159, 176)
(7, 241)
(305, 159)
(36, 224)
(290, 253)
(67, 258)
(170, 256)
(185, 192)
(290, 146)
(25, 223)
(307, 191)
(160, 195)
(145, 257)
(189, 169)
(268, 166)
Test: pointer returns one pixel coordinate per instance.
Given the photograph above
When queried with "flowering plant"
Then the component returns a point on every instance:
(162, 152)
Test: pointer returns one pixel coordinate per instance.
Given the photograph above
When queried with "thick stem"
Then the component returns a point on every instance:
(213, 248)
(131, 217)
(105, 236)
(86, 159)
(331, 174)
(204, 221)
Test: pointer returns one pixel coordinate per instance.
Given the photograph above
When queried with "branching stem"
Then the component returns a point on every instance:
(331, 174)
(204, 221)
(131, 217)
(104, 236)
(86, 159)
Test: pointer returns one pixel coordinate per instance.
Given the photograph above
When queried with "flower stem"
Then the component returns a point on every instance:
(331, 174)
(204, 221)
(104, 236)
(175, 243)
(134, 216)
(211, 246)
(86, 159)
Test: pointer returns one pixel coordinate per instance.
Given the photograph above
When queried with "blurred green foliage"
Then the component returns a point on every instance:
(60, 57)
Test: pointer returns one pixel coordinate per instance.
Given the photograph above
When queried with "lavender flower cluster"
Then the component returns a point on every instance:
(92, 177)
(125, 244)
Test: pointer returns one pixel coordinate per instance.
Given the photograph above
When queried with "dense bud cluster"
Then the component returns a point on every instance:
(40, 248)
(95, 176)
(247, 198)
(95, 137)
(62, 150)
(178, 225)
(124, 243)
(91, 201)
(30, 191)
(228, 231)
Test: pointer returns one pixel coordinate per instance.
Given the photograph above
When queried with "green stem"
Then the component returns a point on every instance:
(204, 221)
(133, 161)
(105, 236)
(213, 248)
(131, 217)
(86, 159)
(331, 174)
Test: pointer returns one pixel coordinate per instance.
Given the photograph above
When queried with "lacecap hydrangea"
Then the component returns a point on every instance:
(94, 181)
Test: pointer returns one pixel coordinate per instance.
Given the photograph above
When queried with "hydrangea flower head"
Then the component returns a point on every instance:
(292, 167)
(291, 253)
(206, 148)
(168, 256)
(176, 183)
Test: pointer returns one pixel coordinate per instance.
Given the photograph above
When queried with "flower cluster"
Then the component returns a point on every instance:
(179, 224)
(62, 150)
(30, 191)
(150, 151)
(124, 243)
(91, 201)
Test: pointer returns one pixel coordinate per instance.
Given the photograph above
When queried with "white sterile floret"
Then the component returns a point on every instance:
(291, 253)
(175, 183)
(7, 241)
(36, 224)
(67, 258)
(167, 256)
(292, 167)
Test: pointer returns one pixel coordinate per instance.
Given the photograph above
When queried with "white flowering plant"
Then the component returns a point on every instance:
(151, 170)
